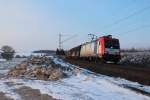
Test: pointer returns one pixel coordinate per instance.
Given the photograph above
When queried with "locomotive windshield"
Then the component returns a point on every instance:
(114, 44)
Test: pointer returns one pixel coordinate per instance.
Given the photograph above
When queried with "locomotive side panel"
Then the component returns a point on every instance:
(101, 47)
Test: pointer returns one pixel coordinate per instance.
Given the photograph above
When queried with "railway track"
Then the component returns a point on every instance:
(133, 73)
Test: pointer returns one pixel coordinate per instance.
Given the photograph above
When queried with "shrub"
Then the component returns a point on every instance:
(7, 52)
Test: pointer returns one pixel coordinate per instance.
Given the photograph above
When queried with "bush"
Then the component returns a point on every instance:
(7, 52)
(60, 52)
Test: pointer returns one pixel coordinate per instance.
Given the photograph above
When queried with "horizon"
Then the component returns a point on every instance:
(29, 25)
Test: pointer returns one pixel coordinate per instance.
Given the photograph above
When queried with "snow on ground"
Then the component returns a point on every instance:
(2, 60)
(27, 54)
(9, 91)
(85, 85)
(126, 83)
(118, 81)
(82, 87)
(6, 65)
(141, 58)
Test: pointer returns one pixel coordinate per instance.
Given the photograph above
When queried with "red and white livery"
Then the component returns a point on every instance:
(106, 48)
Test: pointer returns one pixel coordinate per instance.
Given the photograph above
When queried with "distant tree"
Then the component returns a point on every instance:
(57, 51)
(24, 56)
(17, 56)
(7, 52)
(60, 52)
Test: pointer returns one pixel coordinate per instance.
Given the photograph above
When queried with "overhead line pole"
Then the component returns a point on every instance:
(62, 41)
(60, 36)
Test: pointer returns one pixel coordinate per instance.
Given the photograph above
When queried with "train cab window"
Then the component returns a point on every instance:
(108, 44)
(116, 44)
(112, 44)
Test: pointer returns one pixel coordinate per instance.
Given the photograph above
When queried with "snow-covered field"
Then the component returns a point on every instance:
(142, 58)
(84, 85)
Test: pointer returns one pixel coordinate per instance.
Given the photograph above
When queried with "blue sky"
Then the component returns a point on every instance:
(35, 24)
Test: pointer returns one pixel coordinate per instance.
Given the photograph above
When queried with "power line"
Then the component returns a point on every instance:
(136, 29)
(69, 38)
(127, 17)
(130, 24)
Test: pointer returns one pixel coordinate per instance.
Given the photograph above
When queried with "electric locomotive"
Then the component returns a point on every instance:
(106, 48)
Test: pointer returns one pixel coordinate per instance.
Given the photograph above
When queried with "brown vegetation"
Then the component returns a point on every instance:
(41, 68)
(28, 93)
(3, 97)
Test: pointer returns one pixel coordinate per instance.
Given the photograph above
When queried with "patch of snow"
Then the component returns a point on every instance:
(6, 65)
(61, 62)
(38, 54)
(82, 87)
(127, 83)
(2, 60)
(23, 54)
(9, 91)
(4, 71)
(118, 81)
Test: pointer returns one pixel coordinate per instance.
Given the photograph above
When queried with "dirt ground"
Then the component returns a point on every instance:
(28, 93)
(3, 97)
(134, 73)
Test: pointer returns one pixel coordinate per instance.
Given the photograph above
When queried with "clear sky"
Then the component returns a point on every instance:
(29, 25)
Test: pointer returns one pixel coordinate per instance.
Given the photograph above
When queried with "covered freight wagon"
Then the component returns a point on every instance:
(89, 49)
(74, 52)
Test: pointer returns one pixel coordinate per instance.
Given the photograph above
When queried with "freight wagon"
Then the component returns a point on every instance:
(105, 48)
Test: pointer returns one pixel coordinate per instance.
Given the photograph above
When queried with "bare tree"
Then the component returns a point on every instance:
(7, 52)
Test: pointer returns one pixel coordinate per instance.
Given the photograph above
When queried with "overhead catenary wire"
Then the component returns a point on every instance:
(127, 17)
(69, 38)
(136, 29)
(130, 24)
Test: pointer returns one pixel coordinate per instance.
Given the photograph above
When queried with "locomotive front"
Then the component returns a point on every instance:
(111, 49)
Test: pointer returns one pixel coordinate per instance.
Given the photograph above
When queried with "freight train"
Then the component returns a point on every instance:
(105, 48)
